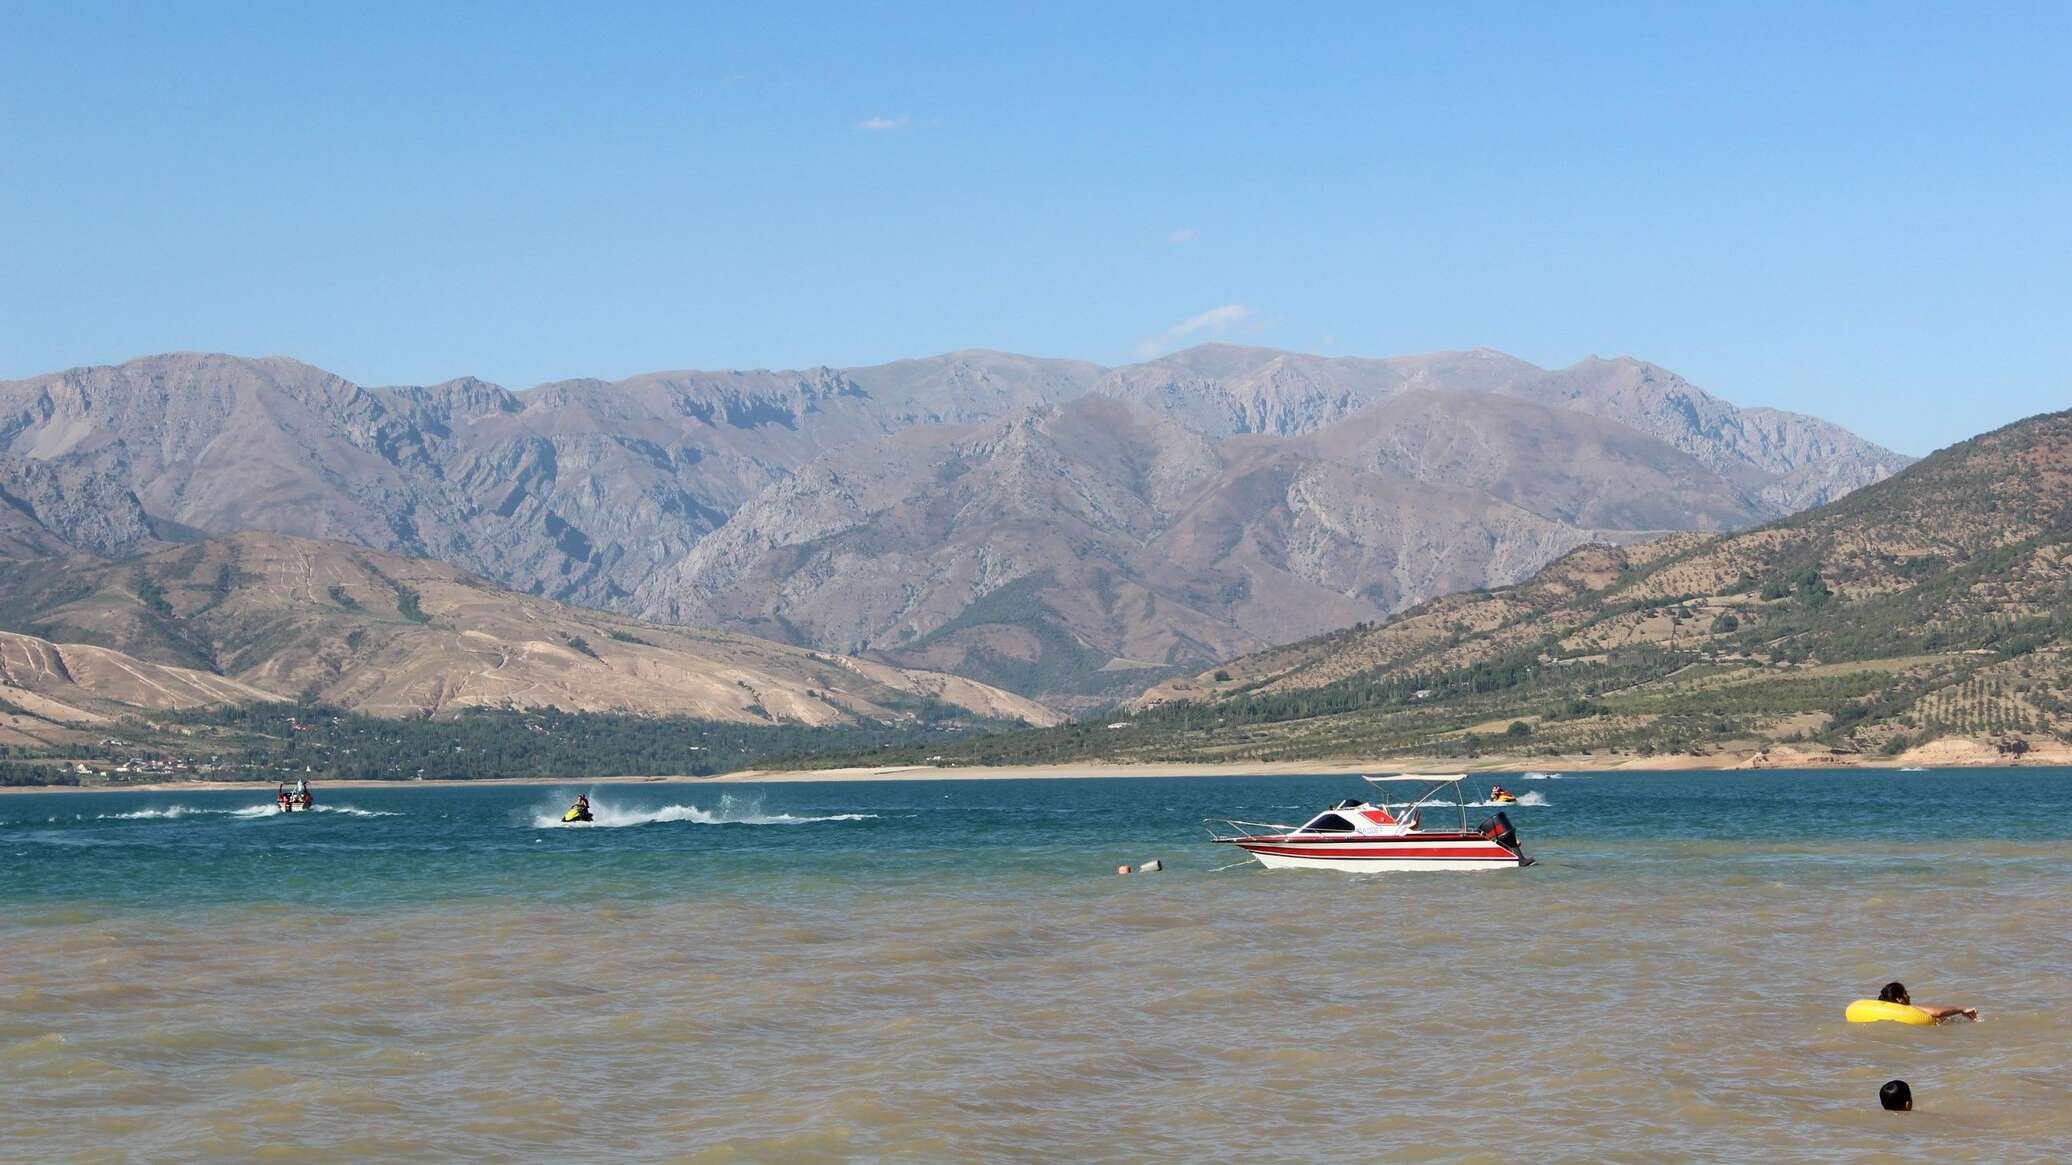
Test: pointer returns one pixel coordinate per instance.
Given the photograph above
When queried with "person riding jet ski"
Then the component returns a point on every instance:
(1502, 796)
(580, 811)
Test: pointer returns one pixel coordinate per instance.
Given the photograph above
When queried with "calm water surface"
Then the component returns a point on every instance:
(950, 971)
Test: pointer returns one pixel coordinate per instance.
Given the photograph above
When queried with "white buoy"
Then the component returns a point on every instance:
(1151, 867)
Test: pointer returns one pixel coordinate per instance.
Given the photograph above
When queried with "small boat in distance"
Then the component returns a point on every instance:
(295, 800)
(1388, 834)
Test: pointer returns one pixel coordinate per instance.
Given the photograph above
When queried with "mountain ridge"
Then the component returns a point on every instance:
(599, 492)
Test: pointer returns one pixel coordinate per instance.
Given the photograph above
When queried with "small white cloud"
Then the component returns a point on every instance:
(880, 123)
(1216, 319)
(1183, 235)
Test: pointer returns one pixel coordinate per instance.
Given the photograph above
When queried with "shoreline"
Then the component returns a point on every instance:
(1750, 761)
(1490, 766)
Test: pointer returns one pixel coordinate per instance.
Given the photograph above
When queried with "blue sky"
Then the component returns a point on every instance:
(1861, 211)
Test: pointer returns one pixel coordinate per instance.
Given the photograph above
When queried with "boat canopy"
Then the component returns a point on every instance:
(1438, 778)
(1432, 784)
(1390, 816)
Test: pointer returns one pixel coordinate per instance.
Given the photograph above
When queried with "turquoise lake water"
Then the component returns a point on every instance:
(929, 970)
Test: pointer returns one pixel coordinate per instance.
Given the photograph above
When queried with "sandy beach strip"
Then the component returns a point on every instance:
(1942, 754)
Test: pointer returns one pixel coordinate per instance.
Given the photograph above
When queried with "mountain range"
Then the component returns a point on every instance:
(1068, 531)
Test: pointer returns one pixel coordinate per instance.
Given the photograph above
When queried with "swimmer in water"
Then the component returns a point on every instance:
(1896, 992)
(1896, 1096)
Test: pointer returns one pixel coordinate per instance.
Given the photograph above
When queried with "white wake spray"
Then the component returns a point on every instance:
(152, 814)
(264, 809)
(732, 810)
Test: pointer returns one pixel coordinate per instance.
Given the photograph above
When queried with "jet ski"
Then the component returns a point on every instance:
(1503, 798)
(580, 811)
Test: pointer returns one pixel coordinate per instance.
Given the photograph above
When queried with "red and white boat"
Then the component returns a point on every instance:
(1388, 834)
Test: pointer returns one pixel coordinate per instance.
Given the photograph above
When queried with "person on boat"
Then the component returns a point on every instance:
(302, 796)
(282, 799)
(1896, 992)
(1896, 1096)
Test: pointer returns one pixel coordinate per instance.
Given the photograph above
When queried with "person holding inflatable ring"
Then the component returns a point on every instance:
(1893, 1003)
(1896, 992)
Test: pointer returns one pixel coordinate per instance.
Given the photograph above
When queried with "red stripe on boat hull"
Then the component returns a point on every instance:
(1392, 853)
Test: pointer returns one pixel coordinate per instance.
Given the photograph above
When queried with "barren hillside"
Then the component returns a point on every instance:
(257, 615)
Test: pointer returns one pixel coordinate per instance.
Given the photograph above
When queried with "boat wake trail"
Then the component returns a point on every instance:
(732, 810)
(1524, 800)
(263, 809)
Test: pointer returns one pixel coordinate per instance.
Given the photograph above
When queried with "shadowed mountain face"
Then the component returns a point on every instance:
(55, 507)
(1074, 551)
(1049, 523)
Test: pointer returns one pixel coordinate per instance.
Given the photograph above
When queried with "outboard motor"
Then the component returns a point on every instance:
(1498, 829)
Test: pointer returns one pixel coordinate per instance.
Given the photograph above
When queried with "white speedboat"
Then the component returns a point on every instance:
(1417, 833)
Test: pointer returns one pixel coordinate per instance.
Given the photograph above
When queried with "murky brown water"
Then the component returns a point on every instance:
(1661, 1002)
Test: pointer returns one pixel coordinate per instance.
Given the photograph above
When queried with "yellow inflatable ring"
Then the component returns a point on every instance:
(1873, 1010)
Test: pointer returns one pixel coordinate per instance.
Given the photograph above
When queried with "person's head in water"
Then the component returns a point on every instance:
(1895, 992)
(1896, 1096)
